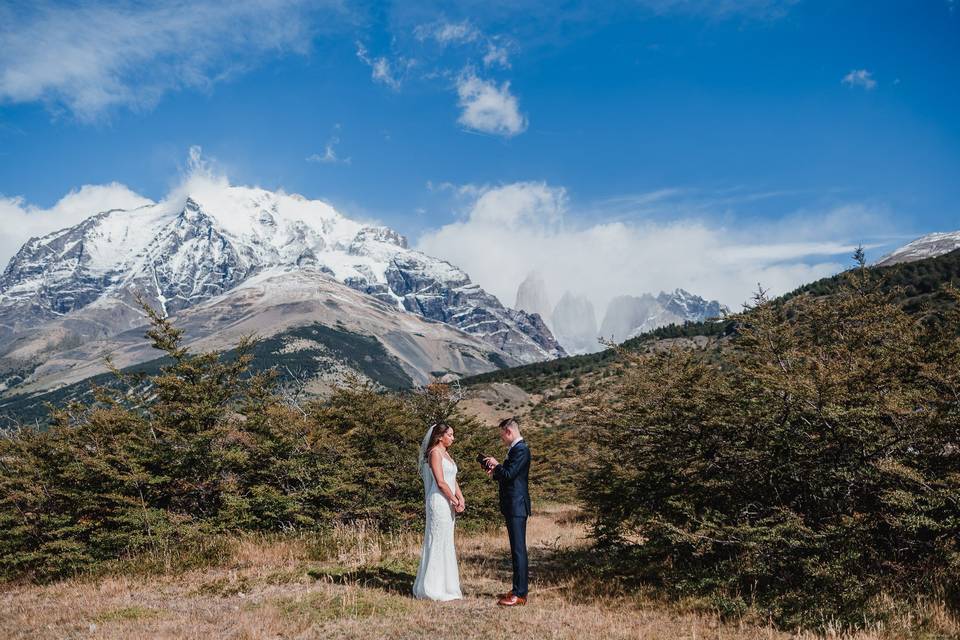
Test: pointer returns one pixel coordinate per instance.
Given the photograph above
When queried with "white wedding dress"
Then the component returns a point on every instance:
(438, 577)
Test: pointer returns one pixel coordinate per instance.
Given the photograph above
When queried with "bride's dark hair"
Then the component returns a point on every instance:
(439, 430)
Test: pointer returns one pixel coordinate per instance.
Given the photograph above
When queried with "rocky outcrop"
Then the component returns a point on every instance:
(690, 307)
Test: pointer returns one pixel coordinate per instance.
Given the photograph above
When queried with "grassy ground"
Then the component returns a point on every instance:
(355, 584)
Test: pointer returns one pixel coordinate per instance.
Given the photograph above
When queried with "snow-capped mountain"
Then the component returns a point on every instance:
(629, 316)
(276, 304)
(181, 252)
(928, 246)
(690, 307)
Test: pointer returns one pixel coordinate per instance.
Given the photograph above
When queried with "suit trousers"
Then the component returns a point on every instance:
(517, 531)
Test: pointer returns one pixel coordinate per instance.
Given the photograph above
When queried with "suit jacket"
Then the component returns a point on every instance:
(512, 475)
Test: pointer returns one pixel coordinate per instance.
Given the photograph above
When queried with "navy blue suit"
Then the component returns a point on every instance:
(513, 476)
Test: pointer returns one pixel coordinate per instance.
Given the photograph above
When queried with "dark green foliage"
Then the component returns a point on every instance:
(384, 432)
(913, 283)
(534, 378)
(203, 447)
(362, 353)
(812, 466)
(558, 463)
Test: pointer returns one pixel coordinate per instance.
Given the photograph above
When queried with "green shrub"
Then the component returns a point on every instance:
(811, 467)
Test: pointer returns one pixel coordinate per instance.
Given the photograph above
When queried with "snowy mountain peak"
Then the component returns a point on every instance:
(629, 316)
(691, 307)
(185, 250)
(928, 246)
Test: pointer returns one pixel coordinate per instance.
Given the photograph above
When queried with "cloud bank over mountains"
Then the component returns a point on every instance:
(508, 231)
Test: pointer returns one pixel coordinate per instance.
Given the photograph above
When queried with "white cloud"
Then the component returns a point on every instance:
(382, 69)
(496, 55)
(510, 230)
(21, 221)
(859, 78)
(93, 56)
(329, 155)
(488, 108)
(448, 32)
(495, 49)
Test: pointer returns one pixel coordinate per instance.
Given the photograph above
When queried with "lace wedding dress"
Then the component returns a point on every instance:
(438, 577)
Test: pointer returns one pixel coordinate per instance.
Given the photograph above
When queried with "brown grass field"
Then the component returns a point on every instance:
(355, 584)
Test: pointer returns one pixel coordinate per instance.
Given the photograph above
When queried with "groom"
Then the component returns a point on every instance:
(514, 504)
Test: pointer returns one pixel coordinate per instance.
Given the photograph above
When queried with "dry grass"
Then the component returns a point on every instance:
(355, 584)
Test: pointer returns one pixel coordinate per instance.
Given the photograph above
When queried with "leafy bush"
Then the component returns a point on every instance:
(812, 466)
(203, 447)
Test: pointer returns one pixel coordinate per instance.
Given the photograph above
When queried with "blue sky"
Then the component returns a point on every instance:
(775, 133)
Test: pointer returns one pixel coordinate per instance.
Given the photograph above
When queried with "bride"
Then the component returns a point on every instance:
(437, 577)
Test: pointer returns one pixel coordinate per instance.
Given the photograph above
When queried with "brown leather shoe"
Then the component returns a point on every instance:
(511, 600)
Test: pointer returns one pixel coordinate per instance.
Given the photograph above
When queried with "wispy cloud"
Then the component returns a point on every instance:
(859, 78)
(329, 155)
(446, 33)
(496, 55)
(382, 69)
(89, 57)
(492, 50)
(506, 231)
(488, 108)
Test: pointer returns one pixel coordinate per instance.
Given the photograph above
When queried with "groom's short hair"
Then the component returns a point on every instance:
(512, 421)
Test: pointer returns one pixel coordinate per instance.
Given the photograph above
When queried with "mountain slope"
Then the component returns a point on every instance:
(928, 246)
(301, 315)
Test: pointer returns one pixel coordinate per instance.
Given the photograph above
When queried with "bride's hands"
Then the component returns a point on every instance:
(460, 506)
